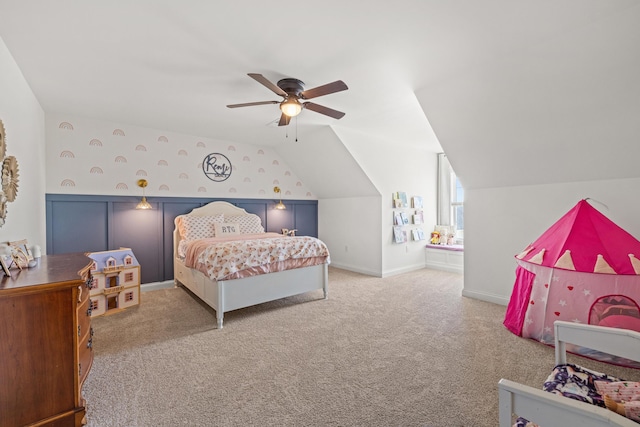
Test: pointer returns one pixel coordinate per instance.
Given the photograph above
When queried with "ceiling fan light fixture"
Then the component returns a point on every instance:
(290, 107)
(292, 91)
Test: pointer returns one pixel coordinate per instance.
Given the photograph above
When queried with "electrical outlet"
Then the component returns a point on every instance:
(406, 248)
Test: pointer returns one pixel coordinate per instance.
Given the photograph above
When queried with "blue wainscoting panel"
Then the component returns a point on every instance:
(77, 228)
(81, 223)
(140, 230)
(306, 219)
(279, 219)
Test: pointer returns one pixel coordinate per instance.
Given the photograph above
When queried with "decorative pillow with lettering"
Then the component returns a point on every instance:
(227, 229)
(199, 227)
(249, 224)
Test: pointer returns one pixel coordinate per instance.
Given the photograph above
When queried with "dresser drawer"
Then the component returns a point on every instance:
(85, 357)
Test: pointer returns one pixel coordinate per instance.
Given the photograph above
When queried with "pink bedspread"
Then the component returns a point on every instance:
(245, 255)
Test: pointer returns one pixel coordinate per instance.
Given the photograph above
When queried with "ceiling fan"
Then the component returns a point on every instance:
(292, 90)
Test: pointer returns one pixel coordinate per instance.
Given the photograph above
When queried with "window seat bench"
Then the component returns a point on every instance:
(445, 257)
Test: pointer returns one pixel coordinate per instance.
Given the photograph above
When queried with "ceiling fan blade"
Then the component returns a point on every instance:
(266, 83)
(250, 104)
(323, 110)
(315, 92)
(284, 120)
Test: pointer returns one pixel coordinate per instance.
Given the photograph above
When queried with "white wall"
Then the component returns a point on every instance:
(501, 222)
(87, 156)
(348, 202)
(350, 227)
(412, 170)
(23, 120)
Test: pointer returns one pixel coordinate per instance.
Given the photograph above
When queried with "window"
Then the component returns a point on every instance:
(128, 277)
(128, 297)
(450, 198)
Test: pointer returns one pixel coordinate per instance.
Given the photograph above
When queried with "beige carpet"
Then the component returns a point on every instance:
(407, 350)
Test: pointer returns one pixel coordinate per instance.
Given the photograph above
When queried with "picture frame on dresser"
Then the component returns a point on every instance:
(22, 246)
(5, 266)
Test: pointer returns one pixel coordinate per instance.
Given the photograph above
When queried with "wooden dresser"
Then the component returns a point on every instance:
(45, 342)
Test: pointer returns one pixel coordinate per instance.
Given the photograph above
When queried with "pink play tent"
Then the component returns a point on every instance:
(583, 269)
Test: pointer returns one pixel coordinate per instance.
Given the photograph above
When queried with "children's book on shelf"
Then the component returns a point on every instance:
(421, 234)
(400, 200)
(397, 218)
(415, 234)
(418, 217)
(417, 202)
(399, 235)
(403, 197)
(405, 218)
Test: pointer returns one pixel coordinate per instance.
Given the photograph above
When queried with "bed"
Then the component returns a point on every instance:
(553, 408)
(206, 235)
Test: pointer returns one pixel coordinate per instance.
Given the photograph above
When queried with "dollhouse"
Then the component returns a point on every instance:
(115, 281)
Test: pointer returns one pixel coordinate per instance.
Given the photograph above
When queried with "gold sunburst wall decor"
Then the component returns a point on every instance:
(8, 176)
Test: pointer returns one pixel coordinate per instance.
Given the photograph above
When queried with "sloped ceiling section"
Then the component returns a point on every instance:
(322, 161)
(563, 109)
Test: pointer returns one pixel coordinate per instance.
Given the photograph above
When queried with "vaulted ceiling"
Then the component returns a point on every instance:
(489, 77)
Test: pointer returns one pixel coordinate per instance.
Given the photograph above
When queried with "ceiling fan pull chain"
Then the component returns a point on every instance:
(296, 128)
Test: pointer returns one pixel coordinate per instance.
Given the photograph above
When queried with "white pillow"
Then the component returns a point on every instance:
(199, 227)
(227, 229)
(249, 224)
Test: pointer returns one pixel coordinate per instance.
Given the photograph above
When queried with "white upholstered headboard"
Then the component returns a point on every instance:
(212, 208)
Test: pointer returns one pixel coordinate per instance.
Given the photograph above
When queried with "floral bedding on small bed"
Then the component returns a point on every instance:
(574, 382)
(244, 255)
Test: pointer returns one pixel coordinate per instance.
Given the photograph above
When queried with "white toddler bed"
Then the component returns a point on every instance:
(548, 409)
(232, 294)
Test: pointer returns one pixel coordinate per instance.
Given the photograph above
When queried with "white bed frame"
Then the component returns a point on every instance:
(228, 295)
(549, 409)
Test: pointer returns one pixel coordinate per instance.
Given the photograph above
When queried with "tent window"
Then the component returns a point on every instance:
(450, 198)
(615, 311)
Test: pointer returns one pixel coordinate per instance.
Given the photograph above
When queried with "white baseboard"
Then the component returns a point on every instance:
(154, 286)
(446, 267)
(355, 269)
(402, 270)
(483, 296)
